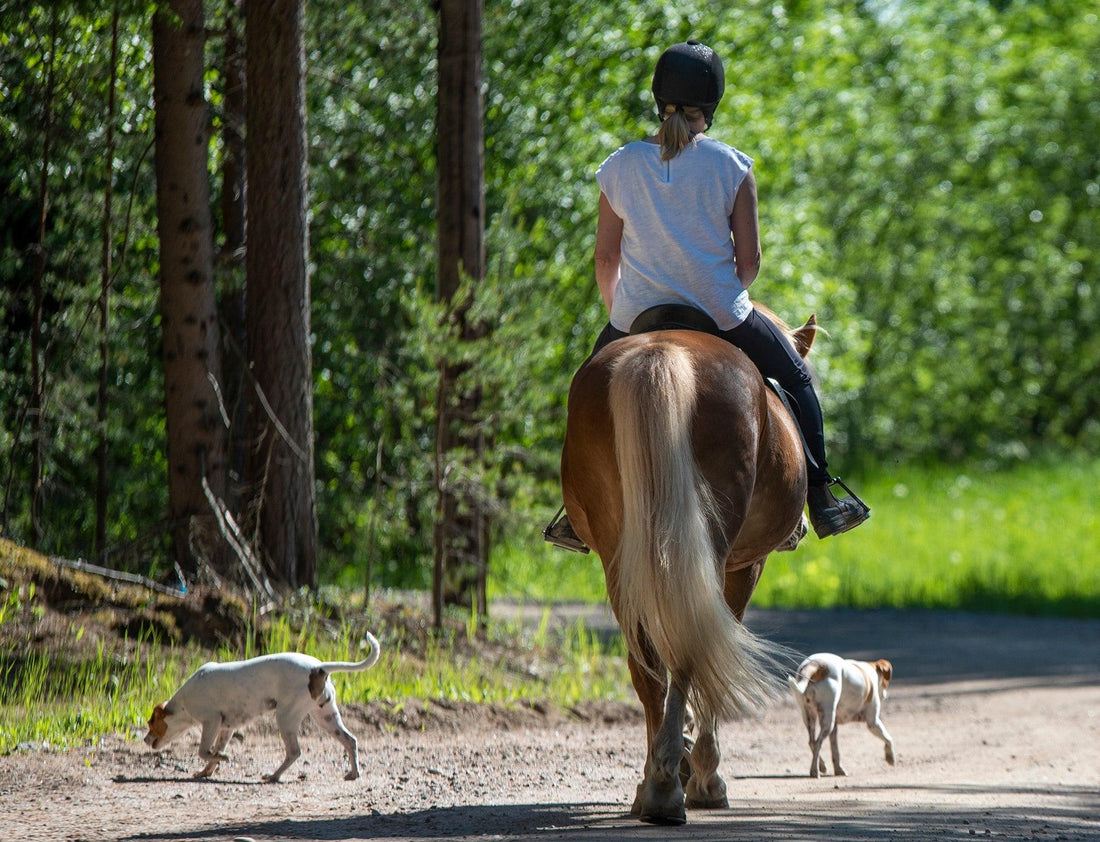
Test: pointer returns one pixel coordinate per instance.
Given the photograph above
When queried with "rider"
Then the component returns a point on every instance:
(668, 206)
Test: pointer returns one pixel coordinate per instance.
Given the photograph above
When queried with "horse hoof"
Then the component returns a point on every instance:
(719, 803)
(673, 820)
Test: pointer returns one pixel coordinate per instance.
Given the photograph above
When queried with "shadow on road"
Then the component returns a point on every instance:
(938, 647)
(575, 822)
(933, 647)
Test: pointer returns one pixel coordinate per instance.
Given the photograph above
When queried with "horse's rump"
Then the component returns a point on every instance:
(667, 564)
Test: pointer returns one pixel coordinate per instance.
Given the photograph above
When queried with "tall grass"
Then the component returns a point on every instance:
(1022, 539)
(47, 700)
(1019, 540)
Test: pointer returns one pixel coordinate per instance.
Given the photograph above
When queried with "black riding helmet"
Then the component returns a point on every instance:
(689, 74)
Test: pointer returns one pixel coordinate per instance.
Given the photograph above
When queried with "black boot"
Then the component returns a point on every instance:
(830, 515)
(560, 533)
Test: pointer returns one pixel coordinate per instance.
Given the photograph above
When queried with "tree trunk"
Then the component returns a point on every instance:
(462, 526)
(193, 414)
(38, 388)
(231, 263)
(103, 449)
(277, 296)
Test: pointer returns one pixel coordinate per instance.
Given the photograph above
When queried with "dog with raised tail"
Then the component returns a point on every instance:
(831, 691)
(223, 697)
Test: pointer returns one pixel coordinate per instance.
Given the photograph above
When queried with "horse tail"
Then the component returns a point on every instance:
(669, 579)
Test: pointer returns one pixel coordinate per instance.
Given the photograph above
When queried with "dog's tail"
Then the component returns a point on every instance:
(809, 671)
(798, 685)
(352, 666)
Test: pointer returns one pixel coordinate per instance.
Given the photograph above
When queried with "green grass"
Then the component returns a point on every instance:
(1024, 539)
(47, 701)
(45, 698)
(1021, 540)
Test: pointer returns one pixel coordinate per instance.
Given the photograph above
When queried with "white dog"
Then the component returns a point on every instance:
(223, 697)
(831, 691)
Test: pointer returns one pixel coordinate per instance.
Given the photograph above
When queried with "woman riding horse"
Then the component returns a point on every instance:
(680, 467)
(668, 206)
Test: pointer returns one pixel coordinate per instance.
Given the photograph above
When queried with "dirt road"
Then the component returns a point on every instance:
(996, 723)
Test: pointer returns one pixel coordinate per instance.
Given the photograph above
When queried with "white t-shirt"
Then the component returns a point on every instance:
(676, 244)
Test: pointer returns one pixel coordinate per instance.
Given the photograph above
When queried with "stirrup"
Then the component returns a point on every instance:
(559, 532)
(836, 524)
(849, 492)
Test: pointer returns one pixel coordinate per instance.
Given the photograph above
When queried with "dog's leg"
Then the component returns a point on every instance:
(835, 748)
(827, 724)
(879, 730)
(330, 720)
(809, 716)
(213, 740)
(289, 723)
(705, 788)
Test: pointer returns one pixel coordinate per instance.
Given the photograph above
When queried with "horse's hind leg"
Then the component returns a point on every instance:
(705, 788)
(660, 798)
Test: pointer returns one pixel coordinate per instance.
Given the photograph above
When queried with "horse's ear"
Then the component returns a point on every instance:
(803, 338)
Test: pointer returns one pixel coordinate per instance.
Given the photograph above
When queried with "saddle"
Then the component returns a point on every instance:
(673, 317)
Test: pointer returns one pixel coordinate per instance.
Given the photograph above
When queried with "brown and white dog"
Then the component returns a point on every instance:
(223, 697)
(831, 691)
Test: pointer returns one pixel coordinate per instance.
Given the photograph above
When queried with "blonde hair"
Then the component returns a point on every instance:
(674, 133)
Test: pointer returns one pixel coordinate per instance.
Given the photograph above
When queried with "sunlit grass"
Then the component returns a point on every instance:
(1024, 539)
(45, 700)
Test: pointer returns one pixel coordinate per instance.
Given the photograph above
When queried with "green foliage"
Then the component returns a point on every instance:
(64, 48)
(928, 186)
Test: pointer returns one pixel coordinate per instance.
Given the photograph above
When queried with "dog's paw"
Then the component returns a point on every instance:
(839, 772)
(890, 755)
(271, 779)
(352, 775)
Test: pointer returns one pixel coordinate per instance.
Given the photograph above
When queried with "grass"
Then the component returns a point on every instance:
(48, 698)
(1024, 539)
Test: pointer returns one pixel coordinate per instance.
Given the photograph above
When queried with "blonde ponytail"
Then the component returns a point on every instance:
(674, 133)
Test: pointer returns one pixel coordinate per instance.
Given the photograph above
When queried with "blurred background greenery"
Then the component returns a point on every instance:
(929, 186)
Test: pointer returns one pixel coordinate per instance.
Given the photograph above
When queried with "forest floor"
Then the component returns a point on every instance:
(996, 724)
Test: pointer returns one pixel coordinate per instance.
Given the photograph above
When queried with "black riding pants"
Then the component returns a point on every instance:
(775, 356)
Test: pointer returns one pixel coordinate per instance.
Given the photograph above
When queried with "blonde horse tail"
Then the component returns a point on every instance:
(669, 580)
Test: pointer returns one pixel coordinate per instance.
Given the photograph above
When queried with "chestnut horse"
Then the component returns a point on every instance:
(683, 471)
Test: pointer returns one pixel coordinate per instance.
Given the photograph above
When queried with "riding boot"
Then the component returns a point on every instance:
(830, 515)
(559, 532)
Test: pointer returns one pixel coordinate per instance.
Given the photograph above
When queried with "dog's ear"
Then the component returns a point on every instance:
(157, 724)
(885, 670)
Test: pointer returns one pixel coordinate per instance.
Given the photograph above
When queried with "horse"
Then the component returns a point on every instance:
(683, 471)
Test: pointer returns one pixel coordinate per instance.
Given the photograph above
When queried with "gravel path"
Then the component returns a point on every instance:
(996, 723)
